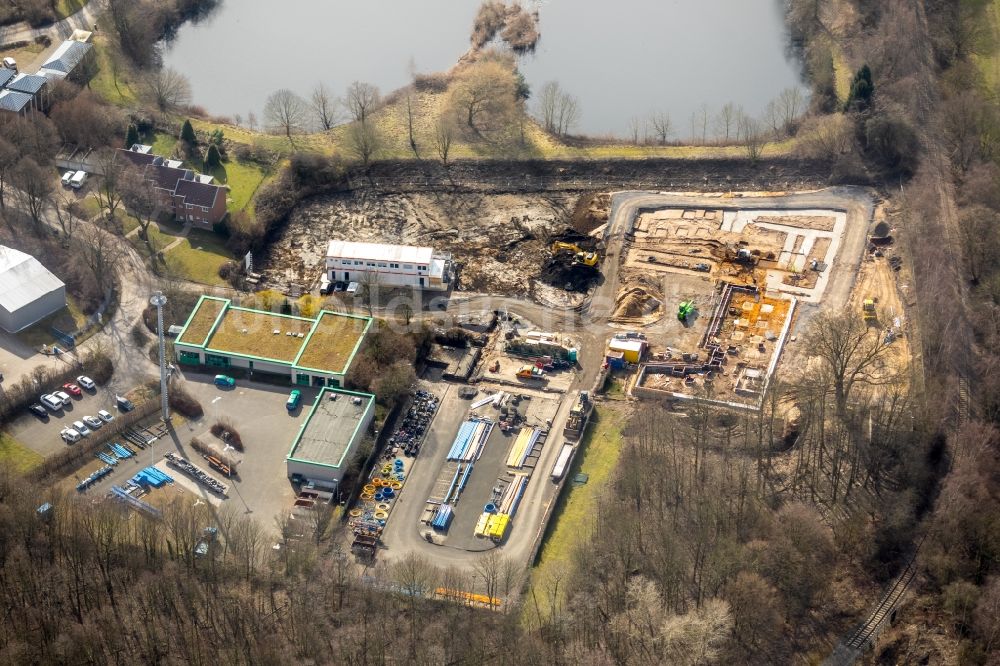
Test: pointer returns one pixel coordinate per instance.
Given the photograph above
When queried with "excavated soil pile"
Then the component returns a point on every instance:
(635, 302)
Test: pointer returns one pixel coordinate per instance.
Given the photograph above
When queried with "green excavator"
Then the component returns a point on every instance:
(685, 310)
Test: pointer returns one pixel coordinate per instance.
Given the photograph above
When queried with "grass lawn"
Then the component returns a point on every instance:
(163, 144)
(114, 82)
(68, 320)
(572, 521)
(252, 333)
(988, 50)
(24, 55)
(66, 8)
(160, 236)
(16, 455)
(199, 257)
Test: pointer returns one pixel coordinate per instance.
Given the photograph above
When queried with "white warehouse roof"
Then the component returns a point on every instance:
(409, 254)
(23, 279)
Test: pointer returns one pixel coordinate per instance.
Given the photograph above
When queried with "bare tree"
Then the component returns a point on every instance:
(252, 121)
(851, 352)
(662, 126)
(753, 136)
(34, 188)
(444, 134)
(9, 157)
(108, 190)
(558, 110)
(67, 215)
(285, 112)
(979, 229)
(238, 119)
(324, 107)
(826, 136)
(167, 89)
(483, 95)
(791, 103)
(101, 251)
(699, 124)
(409, 123)
(141, 202)
(726, 121)
(634, 129)
(361, 100)
(364, 140)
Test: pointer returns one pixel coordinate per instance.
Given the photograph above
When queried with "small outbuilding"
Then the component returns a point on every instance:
(28, 291)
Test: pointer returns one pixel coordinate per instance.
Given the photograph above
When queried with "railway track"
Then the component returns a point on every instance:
(881, 615)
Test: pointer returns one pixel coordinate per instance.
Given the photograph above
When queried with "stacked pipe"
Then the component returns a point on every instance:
(195, 472)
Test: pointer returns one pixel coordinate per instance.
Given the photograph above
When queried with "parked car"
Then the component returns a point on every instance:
(72, 389)
(105, 415)
(78, 179)
(353, 288)
(93, 422)
(224, 381)
(62, 395)
(38, 410)
(339, 286)
(51, 402)
(324, 286)
(81, 428)
(294, 398)
(124, 403)
(70, 435)
(67, 177)
(86, 382)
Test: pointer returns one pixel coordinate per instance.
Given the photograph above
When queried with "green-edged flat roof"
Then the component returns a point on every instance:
(332, 425)
(202, 320)
(332, 343)
(326, 343)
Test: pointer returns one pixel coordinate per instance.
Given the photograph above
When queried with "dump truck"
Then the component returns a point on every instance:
(530, 372)
(868, 310)
(580, 256)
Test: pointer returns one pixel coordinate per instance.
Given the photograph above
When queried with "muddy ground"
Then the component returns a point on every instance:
(499, 241)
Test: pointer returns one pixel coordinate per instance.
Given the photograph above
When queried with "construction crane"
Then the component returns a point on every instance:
(868, 310)
(580, 256)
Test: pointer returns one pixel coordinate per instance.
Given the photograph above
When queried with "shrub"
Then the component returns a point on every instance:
(187, 133)
(19, 395)
(139, 336)
(206, 450)
(227, 270)
(184, 403)
(225, 431)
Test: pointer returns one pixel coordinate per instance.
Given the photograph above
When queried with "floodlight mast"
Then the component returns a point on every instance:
(159, 300)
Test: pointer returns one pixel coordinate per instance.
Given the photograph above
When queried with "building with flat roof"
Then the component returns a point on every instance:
(329, 438)
(315, 351)
(28, 291)
(388, 265)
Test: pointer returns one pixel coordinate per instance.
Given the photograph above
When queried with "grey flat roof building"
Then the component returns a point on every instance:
(336, 423)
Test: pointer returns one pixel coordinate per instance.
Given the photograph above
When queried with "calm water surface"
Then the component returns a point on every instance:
(621, 59)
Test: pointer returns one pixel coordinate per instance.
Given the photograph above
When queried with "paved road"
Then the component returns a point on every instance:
(84, 19)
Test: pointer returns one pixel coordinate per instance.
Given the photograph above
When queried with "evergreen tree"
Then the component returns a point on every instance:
(187, 133)
(212, 157)
(862, 89)
(131, 136)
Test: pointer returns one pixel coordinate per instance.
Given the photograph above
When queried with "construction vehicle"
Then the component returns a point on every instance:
(530, 372)
(579, 415)
(685, 310)
(868, 310)
(580, 256)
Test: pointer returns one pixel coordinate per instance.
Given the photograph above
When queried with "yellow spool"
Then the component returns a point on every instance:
(396, 485)
(367, 497)
(381, 515)
(355, 513)
(382, 506)
(369, 488)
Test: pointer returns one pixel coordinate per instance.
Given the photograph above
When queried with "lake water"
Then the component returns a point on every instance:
(621, 59)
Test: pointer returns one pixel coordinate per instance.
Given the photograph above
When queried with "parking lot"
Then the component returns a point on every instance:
(42, 436)
(260, 484)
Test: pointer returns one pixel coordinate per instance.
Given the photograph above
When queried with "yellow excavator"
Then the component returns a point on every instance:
(579, 255)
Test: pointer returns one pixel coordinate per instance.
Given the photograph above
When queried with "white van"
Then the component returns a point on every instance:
(76, 182)
(10, 63)
(70, 435)
(52, 403)
(67, 178)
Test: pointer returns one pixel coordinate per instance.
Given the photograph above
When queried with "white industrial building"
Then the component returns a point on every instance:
(326, 442)
(388, 265)
(28, 291)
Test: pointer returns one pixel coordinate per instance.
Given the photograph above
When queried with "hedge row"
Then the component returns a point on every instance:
(16, 397)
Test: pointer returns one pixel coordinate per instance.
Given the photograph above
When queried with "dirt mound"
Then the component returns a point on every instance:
(635, 302)
(561, 271)
(591, 212)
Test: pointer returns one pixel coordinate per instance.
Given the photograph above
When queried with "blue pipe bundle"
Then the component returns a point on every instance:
(451, 486)
(105, 458)
(465, 477)
(517, 498)
(443, 517)
(462, 440)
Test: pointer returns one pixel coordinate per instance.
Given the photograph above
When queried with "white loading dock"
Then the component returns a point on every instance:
(28, 291)
(388, 265)
(330, 436)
